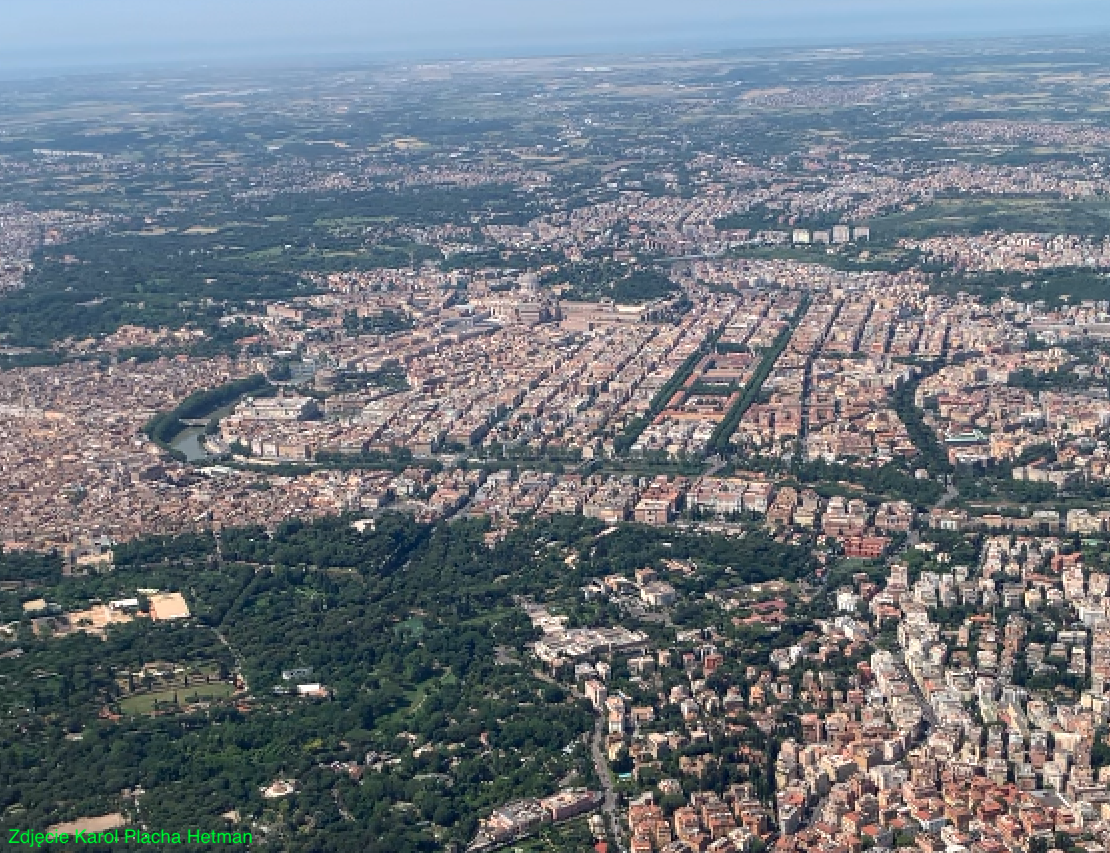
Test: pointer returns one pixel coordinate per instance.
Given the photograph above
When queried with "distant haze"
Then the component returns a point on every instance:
(49, 35)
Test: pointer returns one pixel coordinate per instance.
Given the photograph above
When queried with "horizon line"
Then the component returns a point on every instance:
(270, 58)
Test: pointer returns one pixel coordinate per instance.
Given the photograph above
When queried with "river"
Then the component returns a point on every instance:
(188, 442)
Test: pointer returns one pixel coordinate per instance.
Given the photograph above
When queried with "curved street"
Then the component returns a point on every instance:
(609, 806)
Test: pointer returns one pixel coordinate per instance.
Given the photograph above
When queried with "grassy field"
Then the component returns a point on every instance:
(1070, 284)
(967, 216)
(856, 257)
(144, 703)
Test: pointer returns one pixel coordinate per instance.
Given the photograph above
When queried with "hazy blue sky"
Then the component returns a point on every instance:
(47, 34)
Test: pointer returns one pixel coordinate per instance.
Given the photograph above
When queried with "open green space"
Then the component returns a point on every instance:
(1069, 284)
(145, 703)
(407, 640)
(604, 279)
(976, 215)
(175, 278)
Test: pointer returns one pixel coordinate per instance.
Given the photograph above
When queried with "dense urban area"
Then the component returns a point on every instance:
(692, 454)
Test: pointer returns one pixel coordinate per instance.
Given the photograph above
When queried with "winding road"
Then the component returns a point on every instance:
(609, 806)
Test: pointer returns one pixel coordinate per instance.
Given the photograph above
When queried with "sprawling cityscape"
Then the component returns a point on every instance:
(658, 454)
